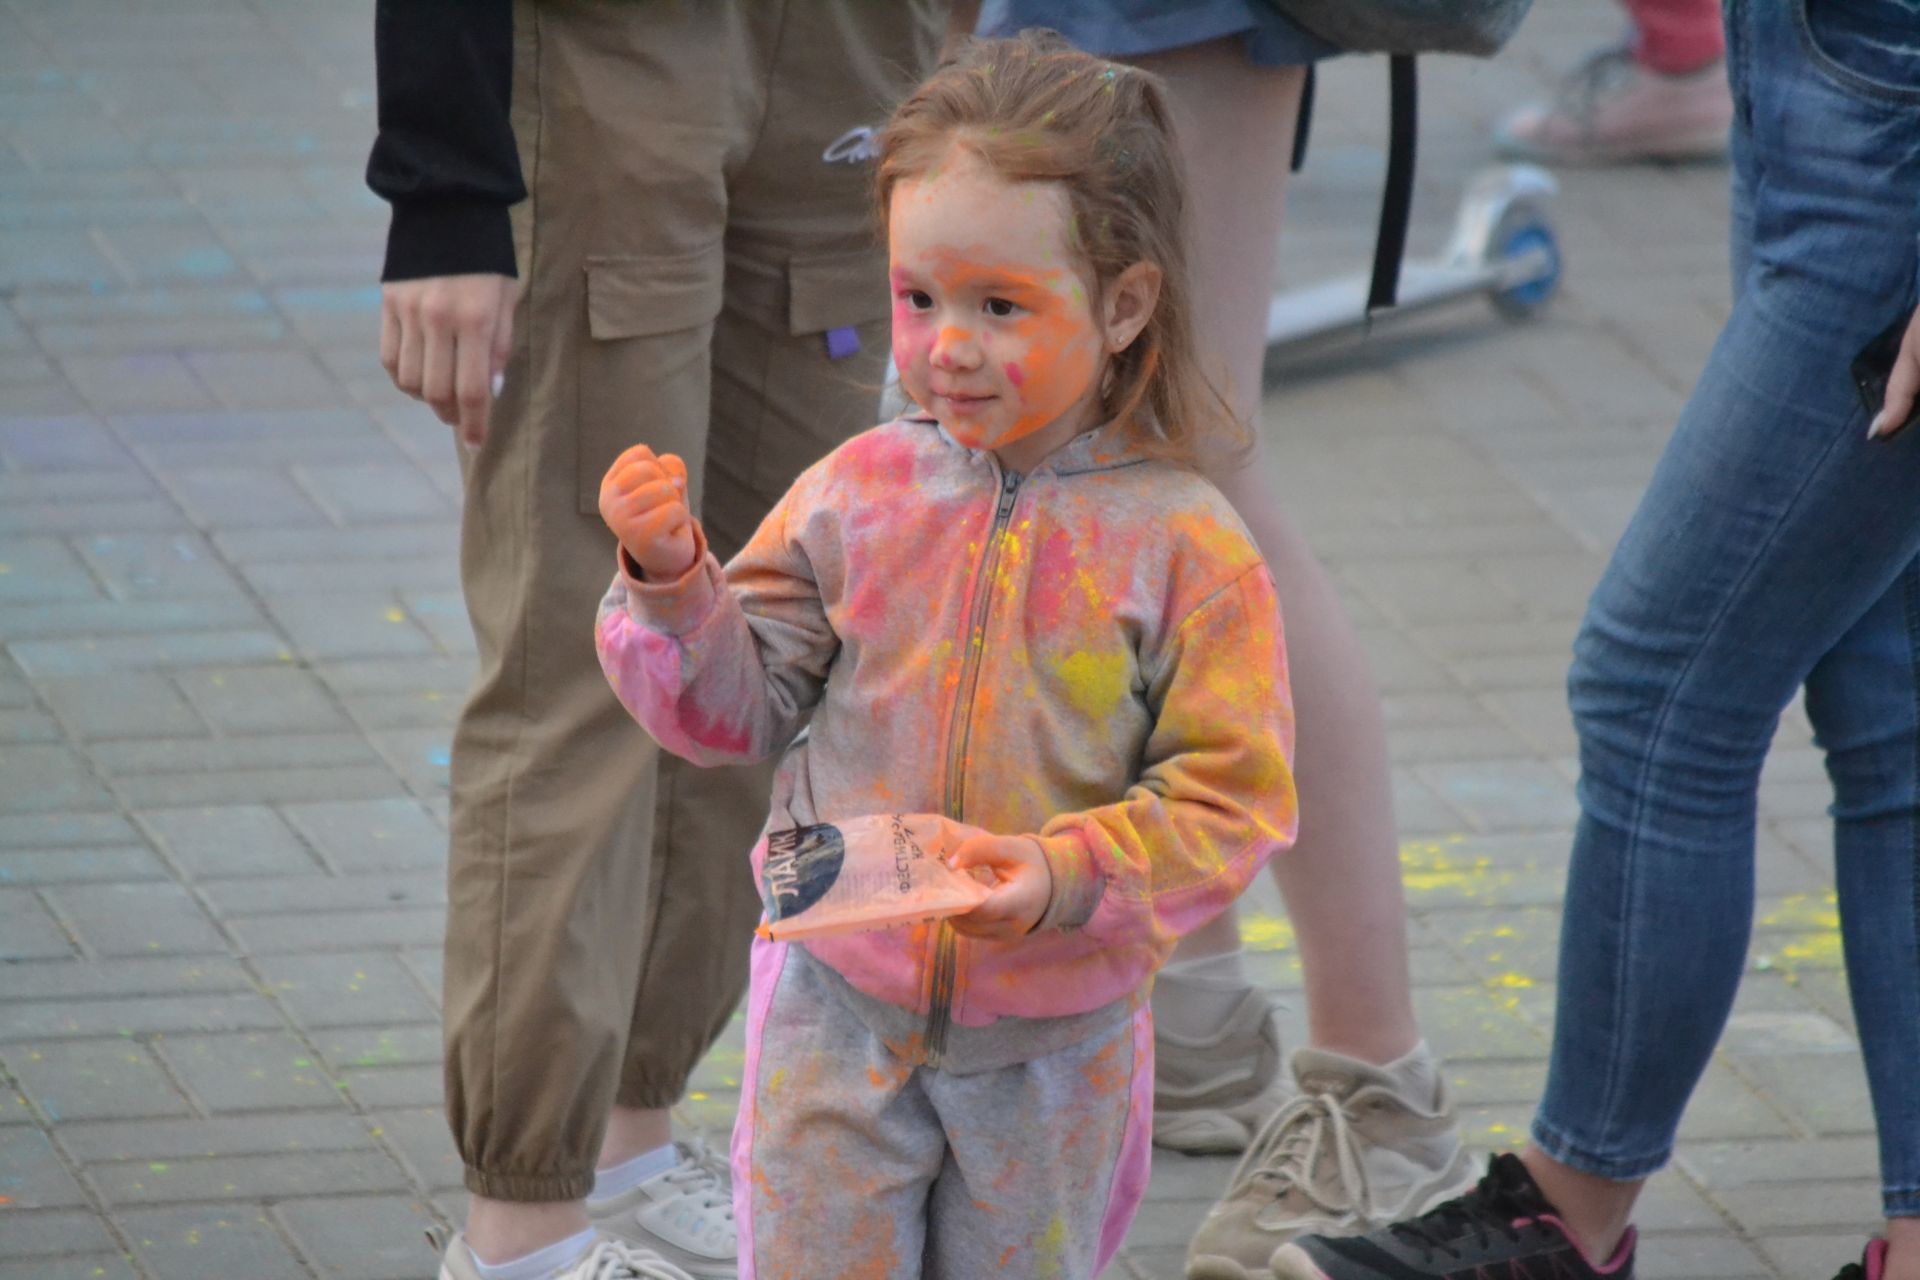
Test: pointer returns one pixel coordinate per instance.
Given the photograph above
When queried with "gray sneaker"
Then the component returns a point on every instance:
(606, 1260)
(1210, 1095)
(685, 1215)
(1349, 1153)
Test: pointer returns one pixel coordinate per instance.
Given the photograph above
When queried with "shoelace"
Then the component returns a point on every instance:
(1288, 1147)
(1490, 1209)
(703, 1177)
(617, 1260)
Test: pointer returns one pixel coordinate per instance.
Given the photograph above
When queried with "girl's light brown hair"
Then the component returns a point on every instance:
(1034, 109)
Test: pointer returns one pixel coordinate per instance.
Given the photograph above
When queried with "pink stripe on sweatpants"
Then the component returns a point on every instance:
(763, 976)
(1135, 1161)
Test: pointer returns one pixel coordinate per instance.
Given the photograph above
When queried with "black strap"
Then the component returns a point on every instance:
(1303, 123)
(1396, 203)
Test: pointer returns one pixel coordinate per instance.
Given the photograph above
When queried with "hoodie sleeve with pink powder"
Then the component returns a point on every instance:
(711, 683)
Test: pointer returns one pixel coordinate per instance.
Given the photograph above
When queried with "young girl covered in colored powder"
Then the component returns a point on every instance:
(1019, 608)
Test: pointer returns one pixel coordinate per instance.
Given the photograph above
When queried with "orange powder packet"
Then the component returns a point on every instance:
(861, 873)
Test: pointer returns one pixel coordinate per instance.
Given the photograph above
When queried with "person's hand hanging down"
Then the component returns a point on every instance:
(643, 499)
(445, 339)
(1903, 384)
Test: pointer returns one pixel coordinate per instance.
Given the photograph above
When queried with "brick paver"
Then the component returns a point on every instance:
(231, 649)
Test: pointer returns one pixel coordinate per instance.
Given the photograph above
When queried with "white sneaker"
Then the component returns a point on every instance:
(606, 1260)
(685, 1215)
(1350, 1153)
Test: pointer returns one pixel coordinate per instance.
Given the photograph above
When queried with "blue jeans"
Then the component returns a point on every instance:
(1776, 546)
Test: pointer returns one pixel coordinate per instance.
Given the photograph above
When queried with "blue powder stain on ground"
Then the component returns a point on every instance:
(204, 263)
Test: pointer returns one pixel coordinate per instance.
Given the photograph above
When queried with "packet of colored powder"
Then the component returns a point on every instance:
(861, 873)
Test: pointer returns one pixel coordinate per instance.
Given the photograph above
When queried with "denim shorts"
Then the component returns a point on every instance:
(1130, 28)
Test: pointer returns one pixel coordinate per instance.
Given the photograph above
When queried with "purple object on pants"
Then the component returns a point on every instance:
(842, 343)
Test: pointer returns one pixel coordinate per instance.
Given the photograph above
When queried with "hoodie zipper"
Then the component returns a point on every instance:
(946, 959)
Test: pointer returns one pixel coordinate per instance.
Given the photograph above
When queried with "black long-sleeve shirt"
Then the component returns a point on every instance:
(444, 157)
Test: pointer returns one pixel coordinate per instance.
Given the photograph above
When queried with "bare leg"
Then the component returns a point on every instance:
(502, 1230)
(1341, 881)
(1903, 1249)
(633, 1132)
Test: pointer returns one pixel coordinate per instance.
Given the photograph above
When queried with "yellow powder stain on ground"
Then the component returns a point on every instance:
(1262, 932)
(1442, 867)
(1815, 944)
(1498, 1135)
(1804, 911)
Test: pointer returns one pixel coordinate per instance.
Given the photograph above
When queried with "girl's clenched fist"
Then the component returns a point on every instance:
(643, 499)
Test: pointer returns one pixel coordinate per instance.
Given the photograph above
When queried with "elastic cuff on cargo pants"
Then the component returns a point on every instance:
(529, 1188)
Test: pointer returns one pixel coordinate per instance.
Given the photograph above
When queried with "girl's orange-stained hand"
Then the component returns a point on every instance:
(643, 499)
(1023, 885)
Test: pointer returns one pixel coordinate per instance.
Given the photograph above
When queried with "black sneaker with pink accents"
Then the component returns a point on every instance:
(1872, 1265)
(1502, 1227)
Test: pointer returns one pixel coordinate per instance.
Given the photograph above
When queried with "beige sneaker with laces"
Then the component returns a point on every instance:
(1210, 1095)
(606, 1260)
(1612, 110)
(1350, 1152)
(685, 1215)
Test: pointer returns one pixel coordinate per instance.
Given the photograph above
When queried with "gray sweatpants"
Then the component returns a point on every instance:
(851, 1161)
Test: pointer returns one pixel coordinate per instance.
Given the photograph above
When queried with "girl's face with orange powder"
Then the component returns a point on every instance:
(993, 330)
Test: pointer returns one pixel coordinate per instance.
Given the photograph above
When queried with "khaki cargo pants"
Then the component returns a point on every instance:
(698, 256)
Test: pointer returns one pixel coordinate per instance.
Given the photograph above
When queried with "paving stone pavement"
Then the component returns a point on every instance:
(232, 644)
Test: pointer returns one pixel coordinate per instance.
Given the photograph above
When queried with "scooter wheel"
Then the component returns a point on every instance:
(1522, 230)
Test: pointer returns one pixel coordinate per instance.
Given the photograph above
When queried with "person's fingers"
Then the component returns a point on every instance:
(503, 331)
(389, 333)
(977, 851)
(472, 384)
(437, 359)
(658, 493)
(413, 347)
(676, 470)
(1903, 385)
(653, 524)
(633, 456)
(630, 480)
(632, 469)
(641, 528)
(657, 505)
